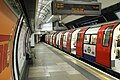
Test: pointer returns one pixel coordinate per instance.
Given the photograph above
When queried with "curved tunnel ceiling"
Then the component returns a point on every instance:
(38, 11)
(29, 10)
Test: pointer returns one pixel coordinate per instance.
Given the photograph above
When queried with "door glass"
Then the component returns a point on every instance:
(64, 38)
(93, 39)
(78, 37)
(86, 38)
(106, 37)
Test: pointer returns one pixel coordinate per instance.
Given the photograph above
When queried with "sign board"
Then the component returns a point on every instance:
(75, 8)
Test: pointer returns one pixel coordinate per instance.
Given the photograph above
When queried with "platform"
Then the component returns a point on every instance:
(53, 64)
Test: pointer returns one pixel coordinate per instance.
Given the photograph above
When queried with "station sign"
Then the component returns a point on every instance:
(75, 8)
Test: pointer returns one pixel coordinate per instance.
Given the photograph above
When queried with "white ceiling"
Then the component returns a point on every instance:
(43, 11)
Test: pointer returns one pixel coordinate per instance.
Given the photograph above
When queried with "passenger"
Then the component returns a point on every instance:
(93, 40)
(118, 47)
(118, 41)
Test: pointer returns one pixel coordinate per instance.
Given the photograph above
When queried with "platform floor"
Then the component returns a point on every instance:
(52, 64)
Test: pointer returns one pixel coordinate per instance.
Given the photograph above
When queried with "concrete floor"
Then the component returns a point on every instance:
(51, 66)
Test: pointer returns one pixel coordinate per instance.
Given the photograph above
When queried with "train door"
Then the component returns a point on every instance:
(115, 50)
(54, 39)
(89, 46)
(57, 39)
(104, 43)
(73, 41)
(51, 39)
(80, 41)
(53, 42)
(68, 44)
(65, 40)
(46, 38)
(61, 40)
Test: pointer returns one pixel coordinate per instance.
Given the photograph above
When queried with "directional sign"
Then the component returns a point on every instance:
(76, 8)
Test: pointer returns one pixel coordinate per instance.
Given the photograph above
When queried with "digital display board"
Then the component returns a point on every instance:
(75, 7)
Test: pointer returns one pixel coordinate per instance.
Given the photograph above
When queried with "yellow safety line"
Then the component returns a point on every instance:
(100, 74)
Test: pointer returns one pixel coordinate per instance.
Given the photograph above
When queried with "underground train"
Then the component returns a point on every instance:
(99, 44)
(14, 42)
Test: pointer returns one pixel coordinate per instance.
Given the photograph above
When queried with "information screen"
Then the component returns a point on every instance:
(76, 7)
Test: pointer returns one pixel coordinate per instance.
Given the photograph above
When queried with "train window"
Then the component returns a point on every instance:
(118, 41)
(93, 39)
(86, 38)
(106, 37)
(69, 38)
(78, 37)
(64, 38)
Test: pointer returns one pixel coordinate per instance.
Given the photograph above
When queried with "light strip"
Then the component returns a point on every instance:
(50, 18)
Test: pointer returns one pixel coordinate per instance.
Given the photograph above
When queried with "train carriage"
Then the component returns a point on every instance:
(115, 47)
(89, 44)
(106, 47)
(98, 44)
